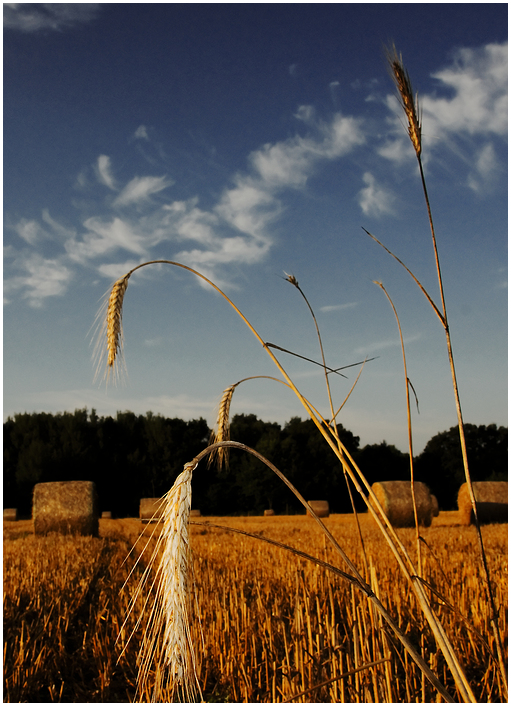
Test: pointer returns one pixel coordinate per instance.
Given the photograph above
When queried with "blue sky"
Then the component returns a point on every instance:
(248, 141)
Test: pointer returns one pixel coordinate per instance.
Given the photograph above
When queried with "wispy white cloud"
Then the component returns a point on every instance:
(33, 17)
(141, 133)
(478, 82)
(41, 278)
(337, 307)
(375, 200)
(104, 172)
(389, 343)
(486, 169)
(252, 203)
(33, 233)
(248, 207)
(104, 237)
(140, 189)
(30, 231)
(290, 163)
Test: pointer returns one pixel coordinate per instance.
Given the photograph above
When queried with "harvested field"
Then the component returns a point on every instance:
(274, 626)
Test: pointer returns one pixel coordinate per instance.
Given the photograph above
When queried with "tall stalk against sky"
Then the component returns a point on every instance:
(410, 104)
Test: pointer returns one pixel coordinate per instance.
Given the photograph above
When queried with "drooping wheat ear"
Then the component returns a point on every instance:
(107, 336)
(409, 102)
(167, 655)
(114, 320)
(221, 455)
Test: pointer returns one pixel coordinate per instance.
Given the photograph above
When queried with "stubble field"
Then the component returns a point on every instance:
(268, 626)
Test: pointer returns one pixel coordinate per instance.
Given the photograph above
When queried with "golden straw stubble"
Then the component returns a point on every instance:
(114, 319)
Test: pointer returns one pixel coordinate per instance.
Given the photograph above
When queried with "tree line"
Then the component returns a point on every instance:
(134, 456)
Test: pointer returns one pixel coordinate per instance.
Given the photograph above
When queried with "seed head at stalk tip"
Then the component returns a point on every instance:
(221, 455)
(291, 279)
(409, 102)
(114, 320)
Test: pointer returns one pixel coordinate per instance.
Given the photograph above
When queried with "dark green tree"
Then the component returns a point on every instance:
(440, 465)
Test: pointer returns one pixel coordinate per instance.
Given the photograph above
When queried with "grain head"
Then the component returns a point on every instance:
(409, 102)
(167, 658)
(221, 455)
(108, 333)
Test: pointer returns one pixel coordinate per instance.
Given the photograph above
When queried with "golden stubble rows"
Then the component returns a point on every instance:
(267, 626)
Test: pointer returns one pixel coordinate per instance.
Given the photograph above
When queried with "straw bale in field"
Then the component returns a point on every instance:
(395, 497)
(151, 509)
(268, 513)
(434, 506)
(320, 507)
(106, 515)
(11, 514)
(195, 513)
(491, 501)
(67, 507)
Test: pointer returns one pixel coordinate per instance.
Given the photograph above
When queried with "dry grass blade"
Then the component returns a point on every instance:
(322, 365)
(409, 102)
(331, 681)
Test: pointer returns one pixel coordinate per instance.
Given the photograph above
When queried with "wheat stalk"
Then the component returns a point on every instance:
(411, 109)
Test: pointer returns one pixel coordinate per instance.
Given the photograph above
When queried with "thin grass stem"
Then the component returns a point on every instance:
(409, 426)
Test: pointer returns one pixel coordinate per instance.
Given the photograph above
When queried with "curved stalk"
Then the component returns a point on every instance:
(397, 547)
(356, 579)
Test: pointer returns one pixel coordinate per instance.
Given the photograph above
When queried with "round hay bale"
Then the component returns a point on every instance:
(106, 515)
(434, 506)
(11, 514)
(151, 509)
(320, 507)
(491, 502)
(395, 497)
(268, 513)
(67, 507)
(195, 513)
